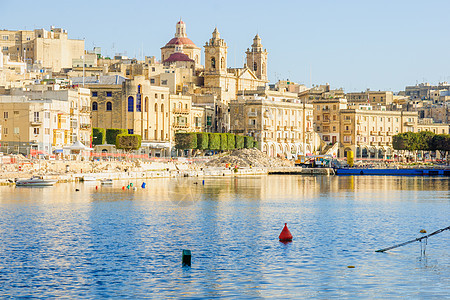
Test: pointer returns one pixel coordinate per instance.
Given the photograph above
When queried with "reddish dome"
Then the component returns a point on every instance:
(177, 56)
(180, 22)
(181, 41)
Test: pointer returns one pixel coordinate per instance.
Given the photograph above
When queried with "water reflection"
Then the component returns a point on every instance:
(108, 242)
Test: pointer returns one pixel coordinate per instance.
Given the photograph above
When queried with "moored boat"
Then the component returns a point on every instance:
(36, 181)
(107, 181)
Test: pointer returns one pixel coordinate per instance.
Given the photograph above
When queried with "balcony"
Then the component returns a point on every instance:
(348, 121)
(85, 109)
(280, 127)
(389, 133)
(180, 111)
(381, 132)
(309, 118)
(347, 132)
(267, 127)
(374, 133)
(409, 123)
(279, 140)
(252, 114)
(85, 126)
(36, 123)
(180, 125)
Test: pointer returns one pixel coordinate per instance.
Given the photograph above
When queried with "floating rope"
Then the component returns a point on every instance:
(415, 240)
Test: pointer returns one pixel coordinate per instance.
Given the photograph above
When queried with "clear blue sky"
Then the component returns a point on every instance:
(381, 45)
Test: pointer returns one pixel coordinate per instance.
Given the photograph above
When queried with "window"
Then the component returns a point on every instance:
(130, 103)
(108, 94)
(162, 96)
(163, 82)
(153, 69)
(213, 62)
(156, 96)
(5, 37)
(162, 108)
(5, 114)
(255, 66)
(152, 80)
(47, 131)
(5, 130)
(16, 130)
(94, 106)
(138, 103)
(146, 104)
(130, 131)
(36, 130)
(36, 116)
(139, 89)
(108, 106)
(5, 48)
(156, 107)
(222, 63)
(94, 94)
(47, 115)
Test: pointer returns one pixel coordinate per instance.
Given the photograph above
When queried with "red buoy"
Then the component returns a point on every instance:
(285, 235)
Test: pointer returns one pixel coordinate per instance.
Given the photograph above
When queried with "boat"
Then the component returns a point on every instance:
(107, 181)
(36, 181)
(88, 178)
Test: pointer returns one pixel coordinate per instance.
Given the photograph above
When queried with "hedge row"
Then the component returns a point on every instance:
(213, 141)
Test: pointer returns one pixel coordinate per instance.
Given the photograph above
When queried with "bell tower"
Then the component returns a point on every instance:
(216, 54)
(257, 59)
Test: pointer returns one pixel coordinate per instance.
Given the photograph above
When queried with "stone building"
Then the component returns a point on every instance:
(44, 120)
(279, 121)
(49, 49)
(371, 97)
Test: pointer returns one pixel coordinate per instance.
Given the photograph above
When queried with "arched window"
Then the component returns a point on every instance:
(94, 105)
(196, 59)
(146, 104)
(130, 103)
(162, 108)
(222, 63)
(156, 107)
(213, 63)
(139, 89)
(108, 106)
(255, 66)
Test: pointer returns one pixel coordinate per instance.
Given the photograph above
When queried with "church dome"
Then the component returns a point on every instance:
(177, 56)
(185, 41)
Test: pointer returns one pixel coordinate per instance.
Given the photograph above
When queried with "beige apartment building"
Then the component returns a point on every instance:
(49, 49)
(279, 121)
(44, 120)
(371, 97)
(428, 124)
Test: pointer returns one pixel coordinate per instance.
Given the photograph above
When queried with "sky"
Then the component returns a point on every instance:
(354, 45)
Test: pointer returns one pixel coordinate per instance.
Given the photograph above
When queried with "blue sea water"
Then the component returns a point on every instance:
(113, 243)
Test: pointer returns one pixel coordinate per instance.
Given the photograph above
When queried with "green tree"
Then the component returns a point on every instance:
(239, 141)
(231, 141)
(128, 142)
(98, 136)
(223, 141)
(213, 141)
(112, 133)
(185, 140)
(248, 142)
(441, 143)
(202, 140)
(425, 139)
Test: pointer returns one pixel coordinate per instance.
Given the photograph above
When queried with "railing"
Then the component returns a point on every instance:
(252, 114)
(36, 123)
(85, 126)
(180, 111)
(180, 125)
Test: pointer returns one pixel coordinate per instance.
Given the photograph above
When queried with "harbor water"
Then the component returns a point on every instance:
(109, 242)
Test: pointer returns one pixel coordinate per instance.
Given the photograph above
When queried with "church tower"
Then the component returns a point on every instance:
(257, 59)
(216, 55)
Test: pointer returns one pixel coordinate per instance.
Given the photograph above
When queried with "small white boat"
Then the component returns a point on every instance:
(107, 181)
(89, 178)
(36, 181)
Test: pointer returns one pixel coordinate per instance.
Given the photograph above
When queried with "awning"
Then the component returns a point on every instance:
(58, 151)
